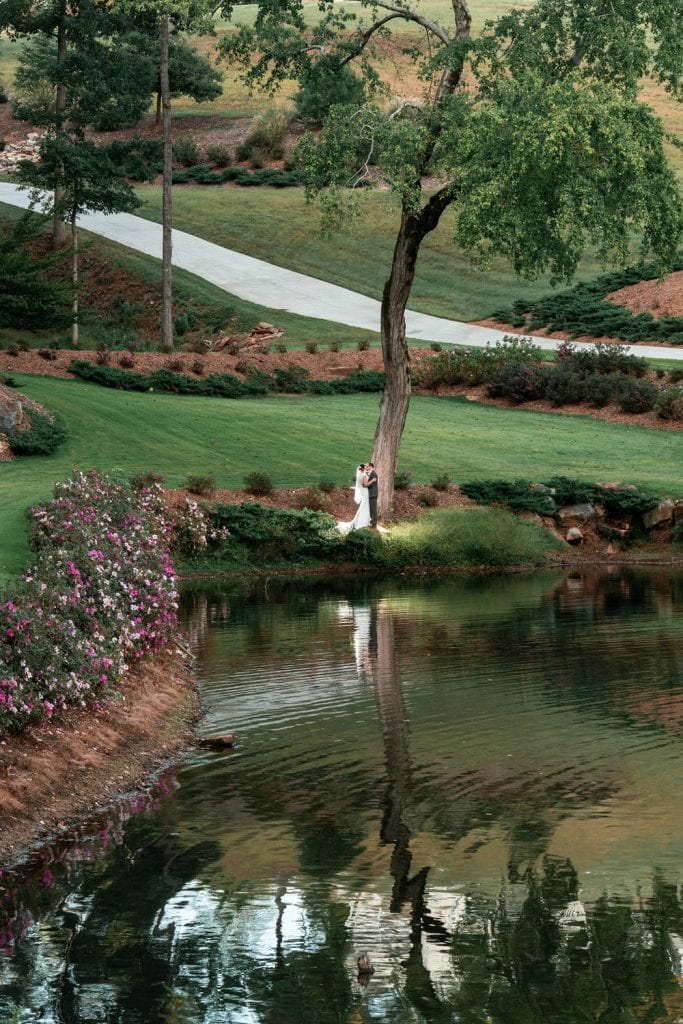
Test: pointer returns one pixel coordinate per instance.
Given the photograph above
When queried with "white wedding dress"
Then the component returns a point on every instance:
(362, 499)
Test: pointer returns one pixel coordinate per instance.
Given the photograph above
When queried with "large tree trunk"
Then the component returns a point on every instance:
(167, 211)
(74, 282)
(396, 398)
(58, 225)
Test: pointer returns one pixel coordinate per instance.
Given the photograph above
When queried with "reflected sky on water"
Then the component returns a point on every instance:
(475, 780)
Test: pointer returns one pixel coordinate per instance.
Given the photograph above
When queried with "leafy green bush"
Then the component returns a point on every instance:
(599, 390)
(137, 158)
(258, 484)
(403, 480)
(562, 385)
(266, 136)
(669, 404)
(44, 436)
(315, 499)
(625, 502)
(205, 174)
(518, 381)
(441, 482)
(327, 486)
(569, 491)
(274, 534)
(325, 84)
(185, 150)
(204, 486)
(218, 154)
(636, 396)
(515, 494)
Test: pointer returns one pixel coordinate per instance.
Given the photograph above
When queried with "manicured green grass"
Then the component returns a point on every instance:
(301, 440)
(278, 226)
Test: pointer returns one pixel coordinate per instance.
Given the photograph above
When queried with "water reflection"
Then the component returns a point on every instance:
(477, 781)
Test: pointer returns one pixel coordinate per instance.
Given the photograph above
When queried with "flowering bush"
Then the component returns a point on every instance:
(194, 531)
(101, 593)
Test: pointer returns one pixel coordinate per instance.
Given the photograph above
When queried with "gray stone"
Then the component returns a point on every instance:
(662, 513)
(574, 535)
(582, 512)
(11, 412)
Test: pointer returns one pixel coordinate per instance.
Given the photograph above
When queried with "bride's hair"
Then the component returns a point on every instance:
(362, 465)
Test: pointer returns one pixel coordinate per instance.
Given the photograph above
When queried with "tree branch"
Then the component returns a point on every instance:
(409, 15)
(365, 37)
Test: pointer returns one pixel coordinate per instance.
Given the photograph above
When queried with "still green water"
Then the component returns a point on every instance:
(477, 781)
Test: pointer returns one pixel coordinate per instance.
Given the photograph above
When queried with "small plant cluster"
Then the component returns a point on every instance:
(43, 437)
(290, 380)
(100, 594)
(206, 174)
(514, 369)
(266, 138)
(545, 497)
(583, 311)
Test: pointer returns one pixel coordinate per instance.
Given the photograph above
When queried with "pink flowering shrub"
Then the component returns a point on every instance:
(101, 593)
(193, 530)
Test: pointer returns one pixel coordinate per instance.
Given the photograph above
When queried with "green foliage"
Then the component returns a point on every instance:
(218, 153)
(29, 298)
(569, 491)
(327, 486)
(185, 150)
(265, 137)
(205, 174)
(518, 381)
(137, 158)
(273, 534)
(636, 396)
(44, 436)
(402, 480)
(625, 501)
(583, 311)
(258, 484)
(225, 385)
(514, 494)
(204, 486)
(323, 84)
(441, 482)
(669, 404)
(315, 499)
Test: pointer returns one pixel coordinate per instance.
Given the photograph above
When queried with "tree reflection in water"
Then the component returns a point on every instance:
(162, 918)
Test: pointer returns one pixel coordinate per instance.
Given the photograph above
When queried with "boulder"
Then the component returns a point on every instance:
(582, 512)
(11, 411)
(574, 536)
(678, 510)
(613, 532)
(660, 514)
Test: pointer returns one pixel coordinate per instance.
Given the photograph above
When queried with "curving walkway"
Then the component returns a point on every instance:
(277, 288)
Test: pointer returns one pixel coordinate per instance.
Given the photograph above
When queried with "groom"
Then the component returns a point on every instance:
(372, 482)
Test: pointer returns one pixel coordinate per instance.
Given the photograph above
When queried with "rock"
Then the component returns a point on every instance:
(678, 510)
(11, 411)
(574, 535)
(662, 513)
(582, 512)
(613, 532)
(225, 740)
(543, 489)
(531, 517)
(263, 328)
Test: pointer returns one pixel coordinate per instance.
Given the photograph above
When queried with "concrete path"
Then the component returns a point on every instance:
(276, 288)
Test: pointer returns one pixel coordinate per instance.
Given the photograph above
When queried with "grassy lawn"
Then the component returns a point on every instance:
(278, 226)
(300, 440)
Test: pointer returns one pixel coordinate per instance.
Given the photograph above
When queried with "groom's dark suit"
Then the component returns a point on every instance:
(372, 496)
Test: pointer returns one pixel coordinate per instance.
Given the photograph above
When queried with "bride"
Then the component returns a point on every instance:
(362, 499)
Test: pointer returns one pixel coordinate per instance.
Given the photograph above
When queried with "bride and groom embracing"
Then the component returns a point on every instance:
(365, 496)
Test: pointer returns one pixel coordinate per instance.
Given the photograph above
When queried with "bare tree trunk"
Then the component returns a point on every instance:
(58, 225)
(74, 282)
(396, 398)
(167, 214)
(158, 115)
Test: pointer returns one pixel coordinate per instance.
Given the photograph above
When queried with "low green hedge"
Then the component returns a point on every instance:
(583, 311)
(226, 385)
(44, 436)
(526, 495)
(207, 174)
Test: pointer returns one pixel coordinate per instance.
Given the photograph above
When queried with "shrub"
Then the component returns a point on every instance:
(101, 593)
(428, 499)
(677, 533)
(218, 153)
(515, 494)
(43, 437)
(311, 347)
(327, 486)
(127, 361)
(102, 357)
(13, 350)
(441, 482)
(435, 347)
(315, 499)
(149, 479)
(48, 354)
(569, 491)
(599, 390)
(334, 346)
(324, 84)
(274, 534)
(363, 345)
(193, 532)
(518, 381)
(626, 501)
(258, 484)
(280, 347)
(175, 364)
(669, 404)
(185, 150)
(676, 376)
(636, 396)
(265, 138)
(562, 385)
(202, 485)
(9, 382)
(402, 480)
(198, 367)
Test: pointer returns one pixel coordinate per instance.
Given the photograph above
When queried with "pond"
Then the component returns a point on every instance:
(474, 780)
